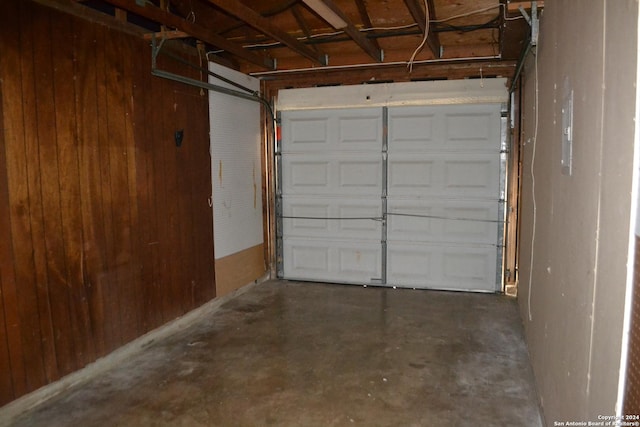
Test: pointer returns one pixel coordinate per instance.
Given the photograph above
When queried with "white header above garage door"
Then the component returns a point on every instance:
(474, 91)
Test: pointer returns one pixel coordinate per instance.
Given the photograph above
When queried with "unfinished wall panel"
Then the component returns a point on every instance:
(237, 182)
(572, 285)
(106, 231)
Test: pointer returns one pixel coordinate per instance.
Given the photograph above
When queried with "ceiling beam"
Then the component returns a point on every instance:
(433, 41)
(296, 11)
(168, 19)
(366, 19)
(350, 29)
(264, 25)
(75, 8)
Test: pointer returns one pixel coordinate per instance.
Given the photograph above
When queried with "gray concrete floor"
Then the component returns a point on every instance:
(302, 354)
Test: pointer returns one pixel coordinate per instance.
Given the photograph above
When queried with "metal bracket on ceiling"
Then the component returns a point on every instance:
(533, 21)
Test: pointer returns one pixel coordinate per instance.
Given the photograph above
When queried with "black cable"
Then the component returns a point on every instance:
(331, 218)
(445, 217)
(392, 214)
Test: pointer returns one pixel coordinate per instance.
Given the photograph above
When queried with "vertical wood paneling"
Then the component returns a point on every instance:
(143, 116)
(161, 298)
(8, 329)
(105, 231)
(115, 82)
(202, 212)
(172, 221)
(184, 219)
(23, 293)
(90, 183)
(50, 190)
(71, 211)
(108, 276)
(6, 386)
(29, 100)
(134, 294)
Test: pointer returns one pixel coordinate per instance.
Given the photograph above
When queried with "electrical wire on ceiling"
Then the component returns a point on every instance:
(466, 28)
(424, 39)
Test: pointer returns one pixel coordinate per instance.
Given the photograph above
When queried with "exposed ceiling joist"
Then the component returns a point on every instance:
(170, 20)
(366, 19)
(264, 25)
(346, 25)
(297, 14)
(245, 29)
(419, 16)
(74, 8)
(168, 35)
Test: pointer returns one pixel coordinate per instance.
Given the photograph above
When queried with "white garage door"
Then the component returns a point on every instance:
(405, 196)
(331, 173)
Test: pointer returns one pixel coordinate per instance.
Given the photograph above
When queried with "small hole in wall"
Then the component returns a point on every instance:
(368, 97)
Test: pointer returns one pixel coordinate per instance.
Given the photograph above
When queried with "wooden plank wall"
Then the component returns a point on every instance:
(105, 227)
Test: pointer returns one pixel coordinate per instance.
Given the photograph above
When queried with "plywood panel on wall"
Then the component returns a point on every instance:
(239, 269)
(105, 226)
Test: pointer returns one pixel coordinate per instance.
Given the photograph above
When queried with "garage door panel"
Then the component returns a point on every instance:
(335, 174)
(474, 223)
(408, 175)
(411, 265)
(308, 134)
(444, 175)
(331, 260)
(444, 128)
(308, 258)
(305, 175)
(360, 174)
(326, 131)
(471, 131)
(361, 133)
(455, 267)
(358, 218)
(412, 130)
(430, 220)
(472, 175)
(469, 265)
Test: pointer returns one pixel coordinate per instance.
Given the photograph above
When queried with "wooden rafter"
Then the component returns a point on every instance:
(170, 20)
(361, 40)
(264, 25)
(297, 14)
(418, 15)
(75, 8)
(366, 19)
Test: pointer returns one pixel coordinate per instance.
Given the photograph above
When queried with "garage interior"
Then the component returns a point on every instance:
(318, 212)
